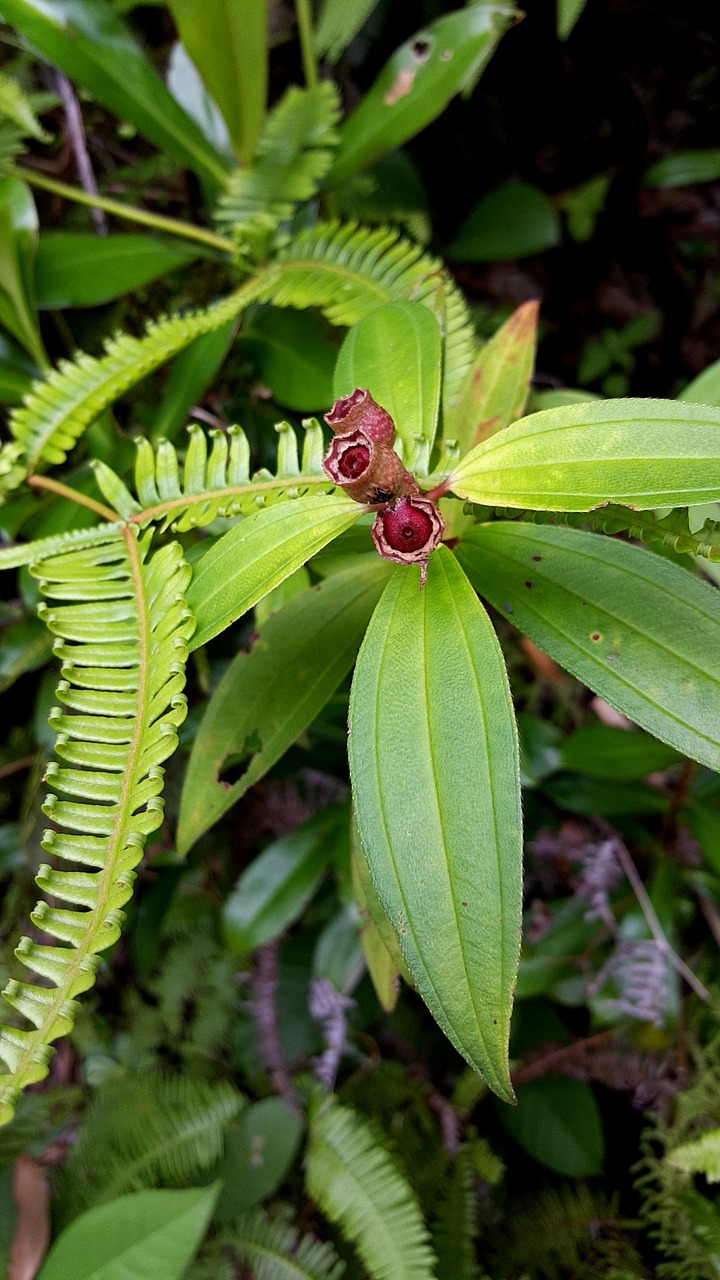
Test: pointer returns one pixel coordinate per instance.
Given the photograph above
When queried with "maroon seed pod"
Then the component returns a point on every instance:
(359, 412)
(409, 530)
(368, 471)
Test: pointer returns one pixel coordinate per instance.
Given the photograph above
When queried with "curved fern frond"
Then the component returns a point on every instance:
(294, 153)
(455, 1226)
(213, 483)
(671, 531)
(348, 270)
(272, 1250)
(31, 552)
(143, 1131)
(122, 643)
(357, 1185)
(59, 408)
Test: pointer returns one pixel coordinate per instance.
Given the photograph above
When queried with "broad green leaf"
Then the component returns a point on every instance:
(514, 221)
(25, 647)
(227, 41)
(294, 353)
(268, 696)
(257, 554)
(277, 886)
(557, 1121)
(337, 23)
(434, 765)
(396, 352)
(86, 40)
(138, 1237)
(702, 1155)
(259, 1152)
(496, 387)
(186, 86)
(191, 373)
(18, 240)
(684, 168)
(17, 372)
(638, 630)
(567, 14)
(338, 954)
(641, 453)
(77, 270)
(705, 389)
(417, 83)
(602, 751)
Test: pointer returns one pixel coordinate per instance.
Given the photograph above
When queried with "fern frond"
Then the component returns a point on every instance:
(143, 1131)
(348, 270)
(215, 482)
(358, 1186)
(455, 1226)
(294, 153)
(672, 531)
(31, 552)
(19, 107)
(59, 408)
(272, 1249)
(559, 1230)
(122, 643)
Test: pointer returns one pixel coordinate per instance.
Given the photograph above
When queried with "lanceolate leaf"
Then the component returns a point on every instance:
(396, 353)
(259, 553)
(18, 236)
(643, 453)
(638, 630)
(434, 765)
(268, 696)
(496, 387)
(418, 82)
(92, 45)
(73, 269)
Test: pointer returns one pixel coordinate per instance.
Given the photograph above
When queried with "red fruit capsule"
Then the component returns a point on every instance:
(359, 412)
(368, 471)
(409, 530)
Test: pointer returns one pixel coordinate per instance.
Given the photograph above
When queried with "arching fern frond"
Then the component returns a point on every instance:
(21, 553)
(357, 1185)
(348, 270)
(455, 1226)
(151, 1130)
(272, 1250)
(213, 483)
(59, 408)
(671, 531)
(122, 644)
(294, 153)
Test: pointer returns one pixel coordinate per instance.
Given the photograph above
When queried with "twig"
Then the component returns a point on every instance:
(328, 1007)
(78, 144)
(264, 1009)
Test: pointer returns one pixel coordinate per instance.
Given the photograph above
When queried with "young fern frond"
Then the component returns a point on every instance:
(348, 270)
(293, 156)
(214, 483)
(122, 643)
(357, 1185)
(146, 1131)
(272, 1250)
(455, 1226)
(60, 407)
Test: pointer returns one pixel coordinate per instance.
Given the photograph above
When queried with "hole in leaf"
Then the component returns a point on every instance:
(236, 763)
(421, 49)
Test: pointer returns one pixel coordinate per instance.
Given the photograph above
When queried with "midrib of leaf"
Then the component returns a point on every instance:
(283, 1261)
(335, 269)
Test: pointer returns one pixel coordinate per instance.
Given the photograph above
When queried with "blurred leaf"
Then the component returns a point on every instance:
(539, 748)
(514, 221)
(567, 14)
(640, 453)
(280, 882)
(396, 353)
(150, 1233)
(606, 752)
(227, 41)
(379, 942)
(254, 556)
(496, 386)
(86, 40)
(635, 628)
(582, 205)
(702, 1155)
(606, 797)
(705, 389)
(191, 373)
(16, 373)
(187, 88)
(25, 647)
(339, 956)
(391, 191)
(294, 354)
(558, 1123)
(77, 270)
(417, 83)
(559, 397)
(270, 695)
(337, 24)
(684, 168)
(547, 965)
(18, 240)
(259, 1153)
(434, 757)
(703, 818)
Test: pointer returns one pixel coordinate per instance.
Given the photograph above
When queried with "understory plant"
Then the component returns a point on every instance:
(428, 515)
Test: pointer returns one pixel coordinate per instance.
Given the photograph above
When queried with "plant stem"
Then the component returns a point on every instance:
(172, 226)
(307, 43)
(64, 491)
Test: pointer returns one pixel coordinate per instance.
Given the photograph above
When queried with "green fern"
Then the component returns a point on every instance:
(293, 156)
(22, 553)
(59, 408)
(348, 270)
(357, 1185)
(272, 1250)
(122, 648)
(18, 121)
(213, 484)
(672, 531)
(564, 1230)
(455, 1226)
(146, 1131)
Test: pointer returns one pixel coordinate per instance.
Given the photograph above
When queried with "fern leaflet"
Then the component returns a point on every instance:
(348, 270)
(455, 1227)
(357, 1185)
(123, 649)
(21, 553)
(271, 1248)
(214, 483)
(293, 155)
(671, 531)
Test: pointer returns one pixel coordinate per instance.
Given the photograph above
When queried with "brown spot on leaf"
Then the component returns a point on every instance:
(400, 87)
